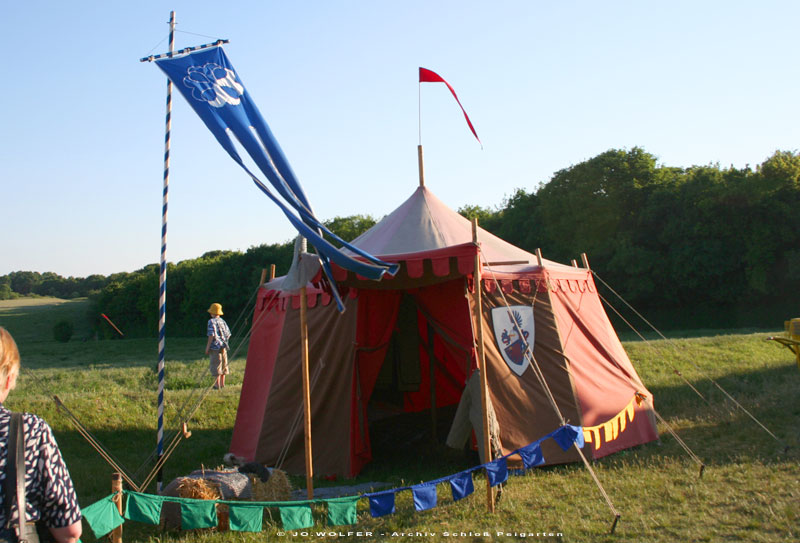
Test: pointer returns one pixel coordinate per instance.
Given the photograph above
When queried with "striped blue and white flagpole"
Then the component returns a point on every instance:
(162, 280)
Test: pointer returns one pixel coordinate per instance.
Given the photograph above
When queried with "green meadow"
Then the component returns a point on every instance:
(749, 490)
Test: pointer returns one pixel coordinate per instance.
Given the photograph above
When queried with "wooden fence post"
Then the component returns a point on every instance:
(116, 489)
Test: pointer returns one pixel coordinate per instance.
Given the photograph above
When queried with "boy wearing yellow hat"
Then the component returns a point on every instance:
(217, 346)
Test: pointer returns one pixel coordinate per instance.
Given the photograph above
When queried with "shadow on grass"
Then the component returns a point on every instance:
(132, 449)
(720, 431)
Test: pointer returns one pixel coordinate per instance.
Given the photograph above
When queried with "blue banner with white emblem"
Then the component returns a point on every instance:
(212, 87)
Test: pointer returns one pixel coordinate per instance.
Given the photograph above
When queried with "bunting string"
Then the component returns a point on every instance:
(246, 516)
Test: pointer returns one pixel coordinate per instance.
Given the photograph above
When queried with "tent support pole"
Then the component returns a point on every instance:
(487, 442)
(585, 260)
(306, 393)
(271, 272)
(421, 166)
(263, 277)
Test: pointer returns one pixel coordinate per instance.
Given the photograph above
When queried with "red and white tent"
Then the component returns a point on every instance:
(415, 331)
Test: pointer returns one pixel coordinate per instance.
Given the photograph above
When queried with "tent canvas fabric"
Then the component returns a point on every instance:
(582, 361)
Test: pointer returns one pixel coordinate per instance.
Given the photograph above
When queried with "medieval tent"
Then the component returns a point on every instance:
(417, 331)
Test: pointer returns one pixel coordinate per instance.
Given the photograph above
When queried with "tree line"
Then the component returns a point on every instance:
(704, 246)
(698, 247)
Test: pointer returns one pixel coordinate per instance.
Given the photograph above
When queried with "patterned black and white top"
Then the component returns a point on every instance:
(50, 495)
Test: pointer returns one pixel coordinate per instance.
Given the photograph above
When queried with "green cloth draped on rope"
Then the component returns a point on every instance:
(342, 511)
(295, 517)
(246, 517)
(143, 508)
(199, 514)
(103, 516)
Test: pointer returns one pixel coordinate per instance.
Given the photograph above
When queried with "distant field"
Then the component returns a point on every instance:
(32, 319)
(750, 490)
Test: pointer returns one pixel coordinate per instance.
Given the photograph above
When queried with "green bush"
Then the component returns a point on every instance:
(62, 331)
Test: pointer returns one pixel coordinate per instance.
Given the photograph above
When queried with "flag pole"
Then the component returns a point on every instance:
(419, 147)
(162, 280)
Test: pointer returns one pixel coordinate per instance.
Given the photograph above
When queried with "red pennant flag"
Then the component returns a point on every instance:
(427, 76)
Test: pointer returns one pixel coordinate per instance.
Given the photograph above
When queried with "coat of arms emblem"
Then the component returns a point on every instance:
(514, 333)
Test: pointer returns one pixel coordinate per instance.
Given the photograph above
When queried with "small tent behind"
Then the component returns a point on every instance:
(417, 332)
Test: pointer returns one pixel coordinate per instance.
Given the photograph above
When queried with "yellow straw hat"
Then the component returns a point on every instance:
(215, 309)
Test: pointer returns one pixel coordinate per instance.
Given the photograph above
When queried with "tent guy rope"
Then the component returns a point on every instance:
(528, 352)
(702, 373)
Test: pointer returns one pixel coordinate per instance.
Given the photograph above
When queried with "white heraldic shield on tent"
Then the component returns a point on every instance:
(514, 332)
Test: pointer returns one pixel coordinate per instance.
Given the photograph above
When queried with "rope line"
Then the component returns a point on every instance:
(540, 376)
(296, 422)
(677, 438)
(702, 373)
(647, 399)
(195, 34)
(93, 442)
(653, 348)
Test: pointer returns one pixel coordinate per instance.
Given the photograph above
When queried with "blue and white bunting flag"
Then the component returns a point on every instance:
(214, 90)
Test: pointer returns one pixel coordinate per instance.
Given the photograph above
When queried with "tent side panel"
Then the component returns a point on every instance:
(523, 409)
(605, 380)
(331, 348)
(261, 355)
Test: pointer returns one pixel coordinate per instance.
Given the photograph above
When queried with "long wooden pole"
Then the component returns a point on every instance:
(162, 281)
(306, 393)
(487, 442)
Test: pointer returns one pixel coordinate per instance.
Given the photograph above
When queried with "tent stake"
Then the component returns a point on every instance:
(487, 442)
(306, 393)
(614, 525)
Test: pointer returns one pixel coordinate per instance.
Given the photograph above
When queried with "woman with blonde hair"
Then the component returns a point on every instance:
(50, 497)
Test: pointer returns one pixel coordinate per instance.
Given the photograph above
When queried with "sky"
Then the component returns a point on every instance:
(546, 84)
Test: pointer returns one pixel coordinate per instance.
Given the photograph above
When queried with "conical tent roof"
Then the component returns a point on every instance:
(424, 223)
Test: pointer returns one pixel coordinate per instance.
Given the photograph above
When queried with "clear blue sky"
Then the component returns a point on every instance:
(547, 85)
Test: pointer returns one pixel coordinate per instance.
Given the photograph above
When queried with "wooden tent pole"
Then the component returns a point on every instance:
(585, 260)
(306, 393)
(487, 442)
(271, 272)
(263, 277)
(421, 166)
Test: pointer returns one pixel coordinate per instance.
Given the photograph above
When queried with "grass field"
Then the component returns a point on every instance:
(750, 490)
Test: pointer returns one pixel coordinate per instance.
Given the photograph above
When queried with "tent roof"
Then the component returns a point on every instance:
(424, 223)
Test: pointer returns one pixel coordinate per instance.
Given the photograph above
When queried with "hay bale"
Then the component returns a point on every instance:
(199, 489)
(196, 488)
(276, 489)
